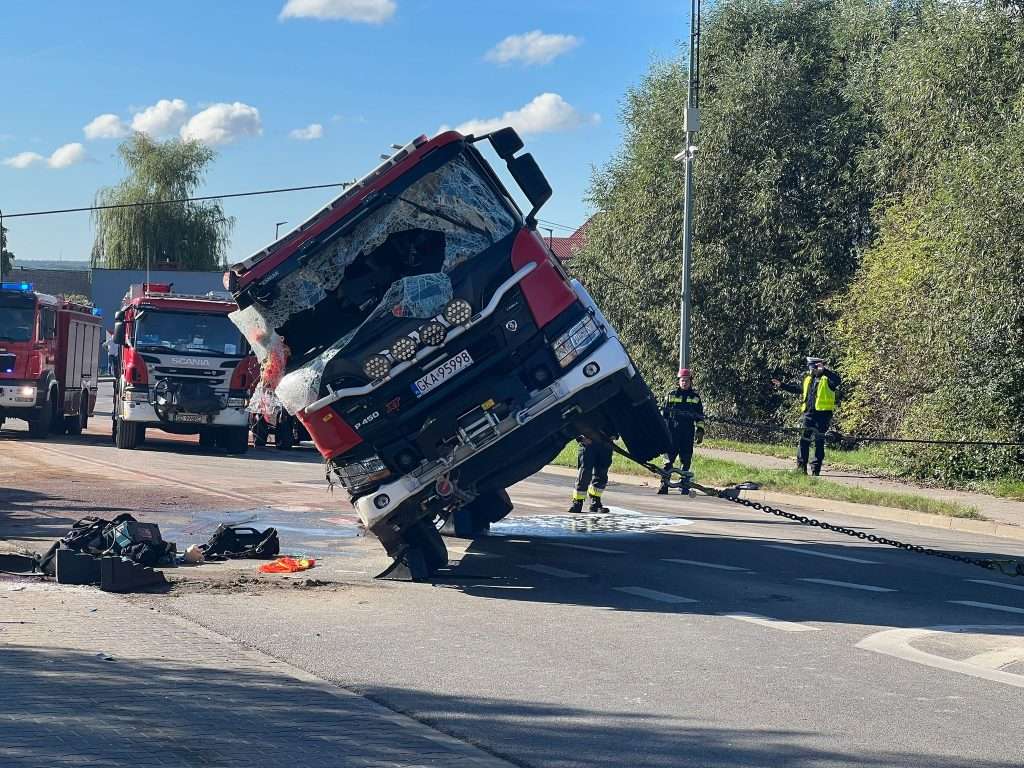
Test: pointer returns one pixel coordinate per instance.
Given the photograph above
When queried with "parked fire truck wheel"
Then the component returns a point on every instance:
(57, 412)
(129, 434)
(39, 424)
(284, 433)
(260, 430)
(78, 422)
(476, 517)
(233, 439)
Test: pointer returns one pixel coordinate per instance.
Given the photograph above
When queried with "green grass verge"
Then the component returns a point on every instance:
(721, 472)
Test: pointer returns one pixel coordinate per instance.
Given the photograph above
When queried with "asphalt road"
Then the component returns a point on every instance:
(672, 632)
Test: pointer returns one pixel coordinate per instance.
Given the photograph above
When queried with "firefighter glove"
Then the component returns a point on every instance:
(698, 436)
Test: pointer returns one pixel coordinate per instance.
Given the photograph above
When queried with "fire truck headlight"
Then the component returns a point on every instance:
(27, 392)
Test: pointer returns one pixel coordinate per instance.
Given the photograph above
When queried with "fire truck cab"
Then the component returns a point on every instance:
(182, 367)
(49, 360)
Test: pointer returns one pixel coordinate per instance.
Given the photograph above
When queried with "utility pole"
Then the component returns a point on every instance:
(277, 228)
(691, 124)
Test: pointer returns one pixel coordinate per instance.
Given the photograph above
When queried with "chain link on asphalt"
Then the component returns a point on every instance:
(1005, 567)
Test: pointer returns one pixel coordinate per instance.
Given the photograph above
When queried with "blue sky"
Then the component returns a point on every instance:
(244, 75)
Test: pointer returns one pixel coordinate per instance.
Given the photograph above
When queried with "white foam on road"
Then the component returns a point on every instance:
(548, 570)
(767, 621)
(989, 606)
(996, 584)
(849, 585)
(586, 548)
(702, 564)
(806, 551)
(653, 594)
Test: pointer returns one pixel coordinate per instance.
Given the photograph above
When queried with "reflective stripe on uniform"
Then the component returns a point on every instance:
(595, 493)
(578, 496)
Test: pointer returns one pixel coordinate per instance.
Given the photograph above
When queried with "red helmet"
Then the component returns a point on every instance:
(684, 372)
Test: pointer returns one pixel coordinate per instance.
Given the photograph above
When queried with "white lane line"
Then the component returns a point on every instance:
(806, 551)
(551, 571)
(702, 564)
(849, 585)
(997, 659)
(653, 594)
(997, 584)
(519, 503)
(587, 548)
(990, 606)
(766, 621)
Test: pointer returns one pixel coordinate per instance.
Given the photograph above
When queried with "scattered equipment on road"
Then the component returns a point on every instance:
(49, 360)
(433, 346)
(181, 367)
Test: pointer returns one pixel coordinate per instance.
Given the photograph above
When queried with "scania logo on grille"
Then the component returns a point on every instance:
(194, 362)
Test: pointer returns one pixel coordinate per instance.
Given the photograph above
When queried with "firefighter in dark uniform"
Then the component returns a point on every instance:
(684, 414)
(593, 457)
(818, 391)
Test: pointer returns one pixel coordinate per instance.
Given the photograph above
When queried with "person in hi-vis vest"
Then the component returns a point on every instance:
(818, 391)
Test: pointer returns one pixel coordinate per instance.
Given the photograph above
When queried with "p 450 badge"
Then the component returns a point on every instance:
(367, 420)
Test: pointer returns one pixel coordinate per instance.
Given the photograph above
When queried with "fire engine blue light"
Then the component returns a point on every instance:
(97, 312)
(25, 287)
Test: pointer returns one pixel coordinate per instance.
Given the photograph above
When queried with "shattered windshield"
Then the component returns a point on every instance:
(186, 332)
(394, 262)
(16, 323)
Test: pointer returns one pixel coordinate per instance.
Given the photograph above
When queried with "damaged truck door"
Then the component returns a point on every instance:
(432, 345)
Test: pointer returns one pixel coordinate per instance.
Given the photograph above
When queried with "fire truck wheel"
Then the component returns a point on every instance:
(39, 426)
(424, 542)
(128, 435)
(284, 433)
(78, 422)
(233, 439)
(475, 518)
(57, 413)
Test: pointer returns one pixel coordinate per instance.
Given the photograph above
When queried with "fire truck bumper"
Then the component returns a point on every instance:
(145, 413)
(18, 394)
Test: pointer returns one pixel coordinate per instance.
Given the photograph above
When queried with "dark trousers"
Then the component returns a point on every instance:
(815, 424)
(682, 445)
(593, 461)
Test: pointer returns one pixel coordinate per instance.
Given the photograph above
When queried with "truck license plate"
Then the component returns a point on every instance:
(445, 371)
(190, 418)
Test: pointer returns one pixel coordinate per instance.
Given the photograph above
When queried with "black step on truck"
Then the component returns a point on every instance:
(433, 346)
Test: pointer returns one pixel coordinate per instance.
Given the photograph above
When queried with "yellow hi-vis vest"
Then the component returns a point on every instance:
(825, 398)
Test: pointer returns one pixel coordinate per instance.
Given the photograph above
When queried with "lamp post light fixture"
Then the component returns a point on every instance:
(277, 228)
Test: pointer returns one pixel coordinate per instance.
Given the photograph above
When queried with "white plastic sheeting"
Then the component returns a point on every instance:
(453, 200)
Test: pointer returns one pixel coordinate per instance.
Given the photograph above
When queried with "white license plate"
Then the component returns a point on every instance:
(445, 371)
(190, 418)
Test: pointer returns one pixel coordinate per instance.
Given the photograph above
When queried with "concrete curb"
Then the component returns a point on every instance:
(870, 511)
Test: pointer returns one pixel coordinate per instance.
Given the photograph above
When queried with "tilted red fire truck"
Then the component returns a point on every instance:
(49, 360)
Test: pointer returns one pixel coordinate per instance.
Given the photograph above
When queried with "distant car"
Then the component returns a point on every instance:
(433, 346)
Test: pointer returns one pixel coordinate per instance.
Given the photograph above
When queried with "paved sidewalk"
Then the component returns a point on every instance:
(89, 679)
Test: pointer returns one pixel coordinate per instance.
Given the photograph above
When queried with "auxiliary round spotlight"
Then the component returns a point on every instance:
(381, 500)
(590, 370)
(376, 367)
(403, 349)
(458, 312)
(433, 333)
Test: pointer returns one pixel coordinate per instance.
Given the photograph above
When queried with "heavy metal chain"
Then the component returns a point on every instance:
(1006, 567)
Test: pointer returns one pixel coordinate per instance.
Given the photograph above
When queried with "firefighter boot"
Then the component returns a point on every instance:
(815, 469)
(663, 489)
(576, 508)
(801, 466)
(596, 507)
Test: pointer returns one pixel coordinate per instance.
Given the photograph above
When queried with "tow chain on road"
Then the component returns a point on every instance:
(1005, 567)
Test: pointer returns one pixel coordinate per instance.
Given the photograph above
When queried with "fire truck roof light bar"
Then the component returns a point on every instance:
(21, 287)
(340, 394)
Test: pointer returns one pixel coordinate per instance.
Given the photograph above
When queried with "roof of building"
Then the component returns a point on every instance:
(566, 247)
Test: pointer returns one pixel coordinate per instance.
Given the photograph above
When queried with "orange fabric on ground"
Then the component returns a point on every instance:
(288, 565)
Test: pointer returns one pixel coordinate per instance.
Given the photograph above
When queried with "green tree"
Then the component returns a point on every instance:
(178, 236)
(6, 257)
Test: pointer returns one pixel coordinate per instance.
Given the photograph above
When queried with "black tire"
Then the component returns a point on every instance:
(233, 440)
(128, 435)
(642, 428)
(78, 422)
(284, 433)
(424, 537)
(40, 425)
(475, 518)
(259, 431)
(57, 417)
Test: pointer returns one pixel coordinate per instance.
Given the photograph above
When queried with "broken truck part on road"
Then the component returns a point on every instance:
(433, 346)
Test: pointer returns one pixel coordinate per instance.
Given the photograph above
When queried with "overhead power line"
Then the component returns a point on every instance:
(556, 225)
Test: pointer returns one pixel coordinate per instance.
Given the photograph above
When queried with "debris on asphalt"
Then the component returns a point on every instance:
(194, 554)
(288, 565)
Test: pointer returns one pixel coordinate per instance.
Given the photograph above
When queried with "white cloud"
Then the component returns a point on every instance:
(162, 119)
(106, 126)
(67, 155)
(547, 113)
(532, 48)
(223, 124)
(367, 11)
(23, 159)
(310, 132)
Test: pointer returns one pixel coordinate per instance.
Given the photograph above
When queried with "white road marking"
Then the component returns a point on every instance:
(997, 584)
(990, 606)
(653, 594)
(702, 564)
(519, 503)
(766, 621)
(897, 642)
(849, 585)
(806, 551)
(997, 659)
(551, 571)
(587, 548)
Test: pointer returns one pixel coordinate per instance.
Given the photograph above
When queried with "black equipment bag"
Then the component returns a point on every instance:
(236, 542)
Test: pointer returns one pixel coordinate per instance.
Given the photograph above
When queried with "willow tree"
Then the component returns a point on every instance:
(186, 235)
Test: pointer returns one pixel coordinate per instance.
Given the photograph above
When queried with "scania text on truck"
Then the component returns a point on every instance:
(434, 347)
(183, 367)
(49, 360)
